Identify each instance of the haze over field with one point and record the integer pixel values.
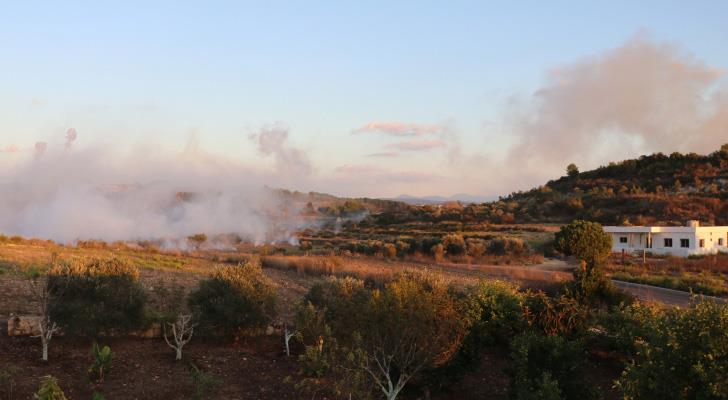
(104, 125)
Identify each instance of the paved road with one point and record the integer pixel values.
(658, 294)
(642, 292)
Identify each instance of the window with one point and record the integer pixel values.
(685, 243)
(623, 239)
(668, 242)
(702, 243)
(720, 242)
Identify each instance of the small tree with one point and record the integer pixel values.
(585, 240)
(572, 170)
(234, 298)
(182, 330)
(41, 292)
(412, 325)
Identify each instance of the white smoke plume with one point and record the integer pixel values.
(638, 98)
(71, 136)
(272, 140)
(40, 149)
(109, 194)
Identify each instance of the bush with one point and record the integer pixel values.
(454, 244)
(342, 300)
(507, 246)
(390, 250)
(102, 357)
(494, 314)
(684, 357)
(234, 298)
(548, 366)
(49, 390)
(205, 383)
(563, 315)
(476, 247)
(90, 297)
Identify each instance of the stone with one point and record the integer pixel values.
(24, 325)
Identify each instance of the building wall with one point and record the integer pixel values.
(637, 237)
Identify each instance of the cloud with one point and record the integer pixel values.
(384, 154)
(272, 140)
(358, 169)
(640, 97)
(416, 145)
(398, 129)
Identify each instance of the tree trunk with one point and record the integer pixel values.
(45, 350)
(179, 354)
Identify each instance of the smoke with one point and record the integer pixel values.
(110, 194)
(40, 149)
(272, 141)
(640, 97)
(71, 136)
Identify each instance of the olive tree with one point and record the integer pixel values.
(234, 298)
(41, 292)
(392, 335)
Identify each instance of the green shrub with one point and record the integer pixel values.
(563, 315)
(102, 357)
(685, 356)
(49, 390)
(7, 381)
(90, 297)
(549, 366)
(234, 298)
(494, 315)
(342, 300)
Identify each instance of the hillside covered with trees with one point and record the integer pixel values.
(653, 189)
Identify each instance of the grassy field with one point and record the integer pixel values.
(704, 275)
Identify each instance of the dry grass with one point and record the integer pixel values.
(328, 265)
(705, 275)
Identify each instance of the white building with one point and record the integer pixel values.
(674, 240)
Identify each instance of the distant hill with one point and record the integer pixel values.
(653, 189)
(461, 197)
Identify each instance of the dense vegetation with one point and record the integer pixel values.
(657, 188)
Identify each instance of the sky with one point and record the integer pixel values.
(367, 98)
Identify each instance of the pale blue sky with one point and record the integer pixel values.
(155, 72)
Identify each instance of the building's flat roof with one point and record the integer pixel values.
(660, 229)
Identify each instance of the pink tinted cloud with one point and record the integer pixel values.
(416, 145)
(385, 154)
(394, 128)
